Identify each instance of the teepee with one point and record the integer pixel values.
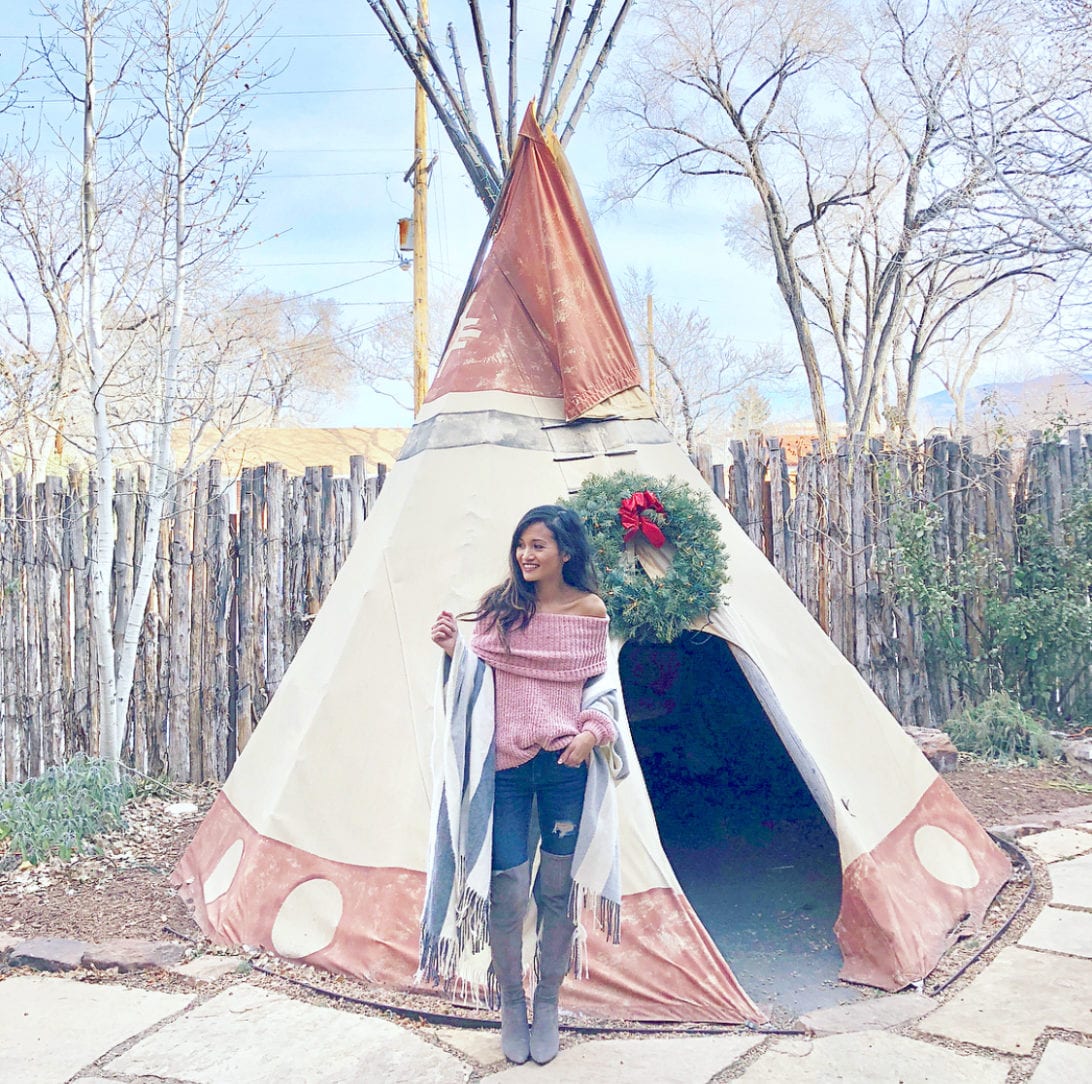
(315, 849)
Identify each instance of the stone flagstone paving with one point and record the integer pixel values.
(1072, 882)
(1021, 992)
(1058, 844)
(1063, 1063)
(877, 1057)
(1056, 930)
(481, 1045)
(251, 1036)
(636, 1061)
(50, 1028)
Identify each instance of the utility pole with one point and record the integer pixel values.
(420, 230)
(651, 350)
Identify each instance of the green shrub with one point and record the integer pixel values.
(998, 728)
(1042, 630)
(1021, 623)
(61, 811)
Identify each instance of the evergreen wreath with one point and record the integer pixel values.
(640, 607)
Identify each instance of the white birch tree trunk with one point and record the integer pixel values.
(111, 733)
(192, 95)
(192, 72)
(161, 451)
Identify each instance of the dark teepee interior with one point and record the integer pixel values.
(744, 835)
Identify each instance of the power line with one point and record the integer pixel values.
(321, 176)
(252, 94)
(341, 285)
(336, 90)
(322, 263)
(407, 149)
(257, 37)
(318, 37)
(391, 265)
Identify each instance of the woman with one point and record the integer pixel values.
(543, 632)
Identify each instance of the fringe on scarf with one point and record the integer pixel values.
(440, 954)
(608, 913)
(437, 959)
(578, 958)
(608, 918)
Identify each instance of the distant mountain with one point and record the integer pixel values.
(1059, 399)
(998, 411)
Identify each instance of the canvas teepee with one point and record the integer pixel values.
(316, 846)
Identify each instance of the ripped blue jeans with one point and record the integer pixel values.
(559, 793)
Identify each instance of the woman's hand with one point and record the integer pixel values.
(444, 632)
(578, 750)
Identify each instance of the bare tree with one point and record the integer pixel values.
(699, 99)
(40, 259)
(1037, 149)
(86, 25)
(262, 357)
(251, 359)
(248, 358)
(699, 372)
(381, 351)
(384, 352)
(873, 219)
(28, 393)
(962, 368)
(565, 65)
(164, 142)
(304, 350)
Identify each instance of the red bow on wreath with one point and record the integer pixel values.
(631, 513)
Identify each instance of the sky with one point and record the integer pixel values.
(336, 130)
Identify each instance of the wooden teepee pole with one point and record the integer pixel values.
(591, 25)
(451, 100)
(593, 76)
(482, 43)
(513, 63)
(559, 26)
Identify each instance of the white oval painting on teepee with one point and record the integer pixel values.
(308, 919)
(223, 873)
(945, 857)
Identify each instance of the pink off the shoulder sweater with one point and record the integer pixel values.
(539, 680)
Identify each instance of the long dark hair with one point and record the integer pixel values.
(511, 604)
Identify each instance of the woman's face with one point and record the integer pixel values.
(537, 555)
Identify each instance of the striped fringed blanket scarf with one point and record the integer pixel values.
(455, 920)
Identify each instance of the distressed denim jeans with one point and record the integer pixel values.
(559, 793)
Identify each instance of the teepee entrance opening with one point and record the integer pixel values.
(747, 841)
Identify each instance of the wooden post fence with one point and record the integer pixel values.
(244, 564)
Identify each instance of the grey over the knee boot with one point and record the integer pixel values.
(555, 939)
(507, 909)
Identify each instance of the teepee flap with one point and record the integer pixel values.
(541, 317)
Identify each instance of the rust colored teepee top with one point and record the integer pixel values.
(541, 317)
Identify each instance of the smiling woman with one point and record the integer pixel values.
(541, 743)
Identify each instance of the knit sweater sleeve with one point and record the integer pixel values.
(598, 725)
